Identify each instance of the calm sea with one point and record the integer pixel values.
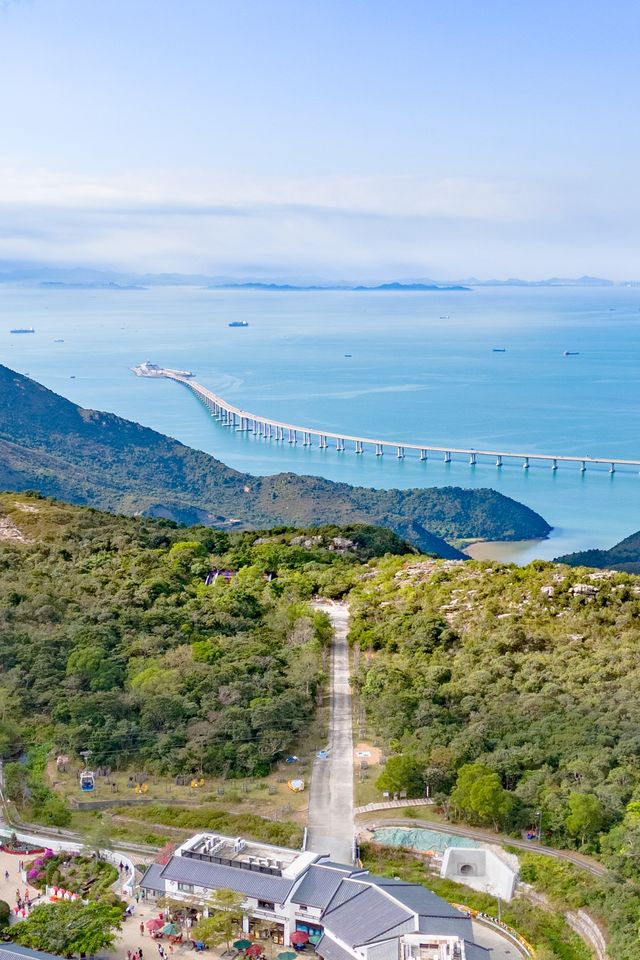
(421, 368)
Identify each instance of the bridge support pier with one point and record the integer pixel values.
(340, 445)
(554, 465)
(499, 462)
(358, 447)
(472, 459)
(379, 450)
(447, 457)
(612, 468)
(306, 439)
(323, 442)
(423, 454)
(525, 465)
(583, 467)
(400, 453)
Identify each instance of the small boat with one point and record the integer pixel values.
(446, 318)
(571, 353)
(239, 323)
(348, 354)
(22, 330)
(499, 350)
(58, 341)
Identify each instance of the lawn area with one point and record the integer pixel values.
(144, 807)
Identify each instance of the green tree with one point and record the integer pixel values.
(225, 908)
(402, 772)
(585, 817)
(479, 795)
(97, 837)
(68, 928)
(15, 781)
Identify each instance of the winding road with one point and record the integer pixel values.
(330, 824)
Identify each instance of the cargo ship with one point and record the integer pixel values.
(239, 323)
(22, 330)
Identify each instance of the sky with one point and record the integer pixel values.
(344, 139)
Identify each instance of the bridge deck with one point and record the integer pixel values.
(223, 405)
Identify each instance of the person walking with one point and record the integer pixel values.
(141, 929)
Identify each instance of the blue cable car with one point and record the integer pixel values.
(87, 781)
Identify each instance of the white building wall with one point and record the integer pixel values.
(480, 869)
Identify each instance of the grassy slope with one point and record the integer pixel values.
(101, 460)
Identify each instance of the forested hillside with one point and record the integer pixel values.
(622, 556)
(87, 457)
(509, 692)
(112, 641)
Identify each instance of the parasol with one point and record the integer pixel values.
(241, 944)
(299, 937)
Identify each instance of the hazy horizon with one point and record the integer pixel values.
(332, 140)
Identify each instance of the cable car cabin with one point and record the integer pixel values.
(87, 780)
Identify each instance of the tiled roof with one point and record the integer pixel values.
(459, 926)
(318, 886)
(346, 891)
(366, 916)
(14, 952)
(416, 897)
(217, 876)
(152, 879)
(345, 867)
(330, 950)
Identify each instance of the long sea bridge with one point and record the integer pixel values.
(280, 431)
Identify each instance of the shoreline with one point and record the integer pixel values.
(509, 551)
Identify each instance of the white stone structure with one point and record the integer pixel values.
(481, 868)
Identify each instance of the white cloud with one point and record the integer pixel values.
(337, 225)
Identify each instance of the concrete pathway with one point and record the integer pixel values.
(393, 805)
(330, 827)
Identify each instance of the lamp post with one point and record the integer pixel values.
(539, 826)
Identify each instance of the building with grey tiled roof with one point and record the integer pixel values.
(347, 913)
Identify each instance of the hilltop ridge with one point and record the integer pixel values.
(89, 457)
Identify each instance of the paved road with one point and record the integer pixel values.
(501, 947)
(331, 794)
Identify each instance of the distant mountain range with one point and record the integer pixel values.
(86, 277)
(86, 457)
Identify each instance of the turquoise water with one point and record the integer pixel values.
(422, 369)
(419, 839)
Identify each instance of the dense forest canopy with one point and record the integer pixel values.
(513, 693)
(112, 640)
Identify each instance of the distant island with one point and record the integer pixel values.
(45, 275)
(87, 457)
(359, 287)
(110, 285)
